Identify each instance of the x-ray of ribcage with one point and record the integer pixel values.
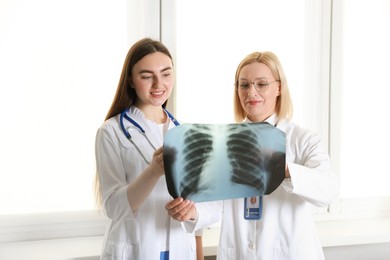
(205, 162)
(198, 144)
(244, 154)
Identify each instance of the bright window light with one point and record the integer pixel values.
(60, 64)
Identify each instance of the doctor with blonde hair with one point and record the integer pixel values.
(283, 228)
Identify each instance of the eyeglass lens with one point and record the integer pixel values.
(261, 85)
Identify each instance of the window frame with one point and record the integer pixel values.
(342, 208)
(58, 225)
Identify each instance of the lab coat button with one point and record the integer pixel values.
(251, 246)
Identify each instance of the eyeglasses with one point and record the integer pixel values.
(261, 85)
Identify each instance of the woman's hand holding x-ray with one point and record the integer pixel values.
(157, 164)
(181, 209)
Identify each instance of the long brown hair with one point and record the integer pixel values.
(125, 95)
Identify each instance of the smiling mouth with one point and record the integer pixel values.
(252, 102)
(157, 93)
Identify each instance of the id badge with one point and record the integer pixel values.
(253, 207)
(164, 255)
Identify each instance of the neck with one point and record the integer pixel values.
(255, 119)
(154, 113)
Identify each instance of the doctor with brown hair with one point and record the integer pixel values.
(130, 179)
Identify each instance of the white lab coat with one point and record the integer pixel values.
(286, 230)
(144, 234)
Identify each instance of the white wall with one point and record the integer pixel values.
(89, 249)
(358, 252)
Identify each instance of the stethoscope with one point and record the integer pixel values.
(142, 131)
(127, 134)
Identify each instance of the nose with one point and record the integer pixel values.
(157, 81)
(252, 91)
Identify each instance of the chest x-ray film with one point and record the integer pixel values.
(206, 162)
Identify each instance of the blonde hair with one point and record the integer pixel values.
(283, 109)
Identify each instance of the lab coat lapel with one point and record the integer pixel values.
(141, 143)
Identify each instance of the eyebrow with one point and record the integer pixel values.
(255, 78)
(149, 71)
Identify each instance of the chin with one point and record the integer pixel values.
(158, 102)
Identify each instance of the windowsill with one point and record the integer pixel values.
(51, 226)
(332, 233)
(56, 249)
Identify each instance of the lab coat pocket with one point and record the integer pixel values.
(122, 241)
(120, 251)
(226, 253)
(293, 253)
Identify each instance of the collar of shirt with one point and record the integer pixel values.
(271, 120)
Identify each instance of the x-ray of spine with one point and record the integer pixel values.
(205, 162)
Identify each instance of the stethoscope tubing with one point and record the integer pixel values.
(124, 115)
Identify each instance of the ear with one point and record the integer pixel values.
(279, 89)
(131, 85)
